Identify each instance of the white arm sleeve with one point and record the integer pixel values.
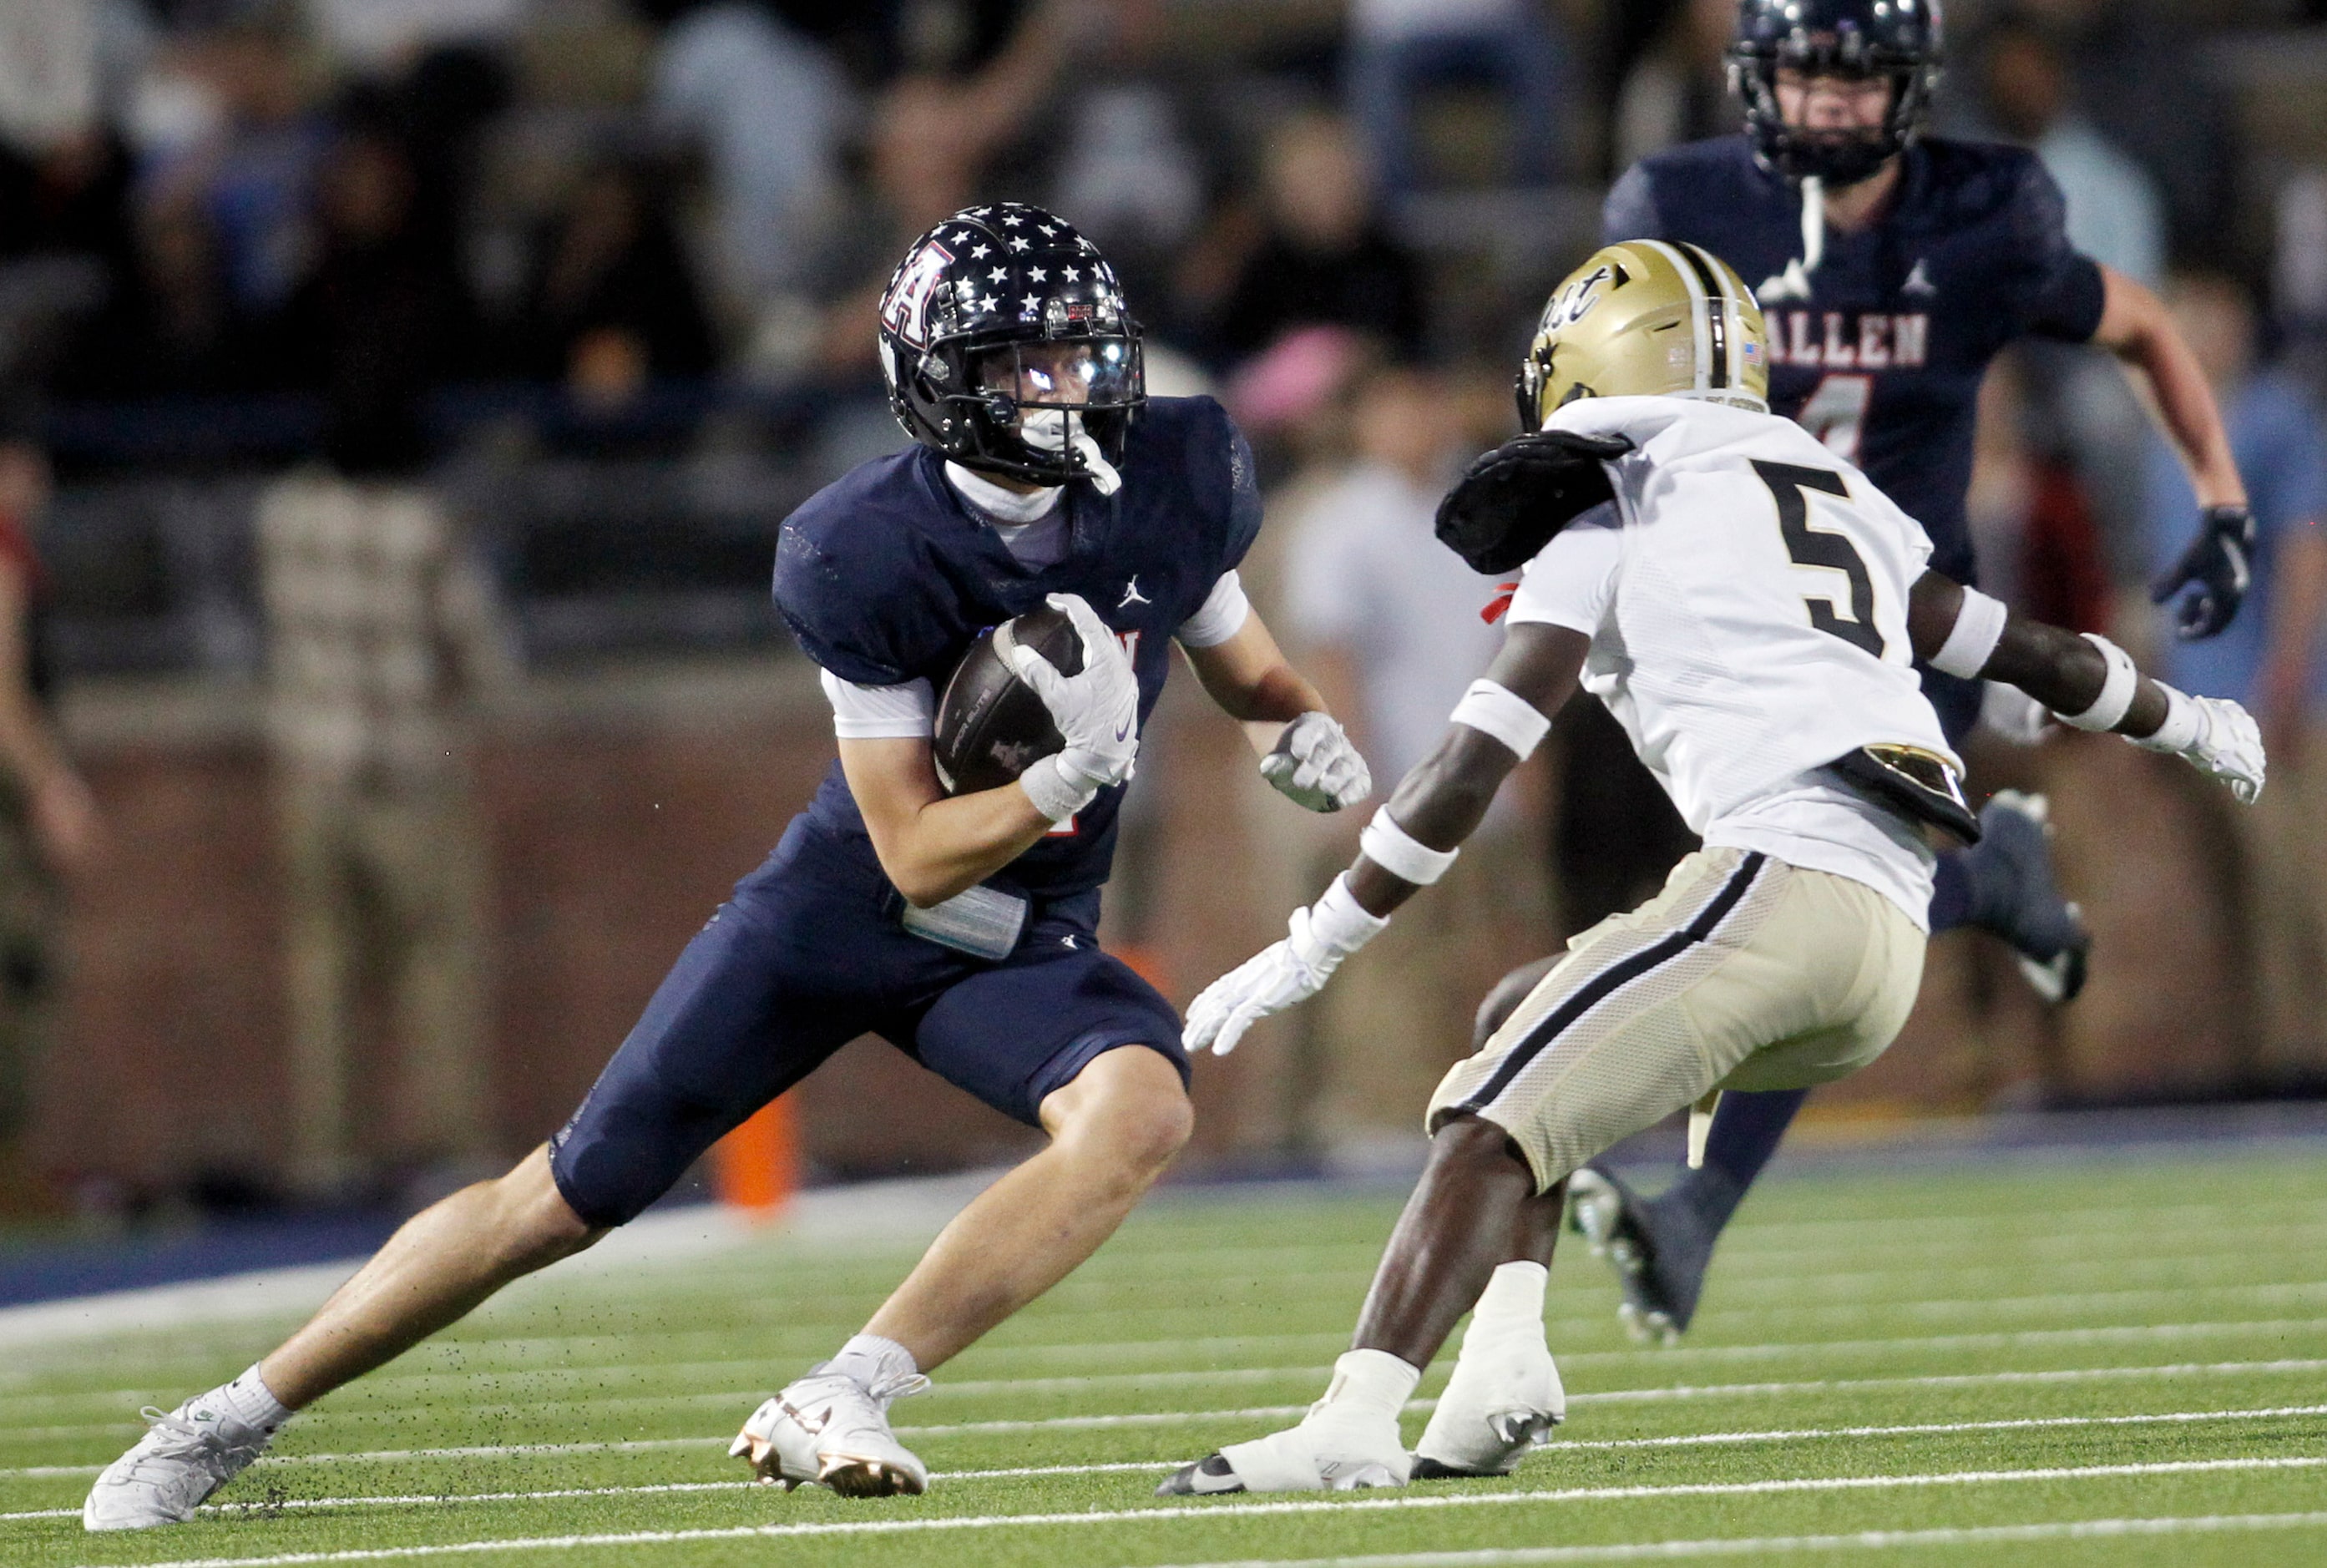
(1220, 617)
(1572, 580)
(892, 713)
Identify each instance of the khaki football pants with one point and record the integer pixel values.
(1744, 973)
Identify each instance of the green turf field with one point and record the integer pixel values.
(2064, 1363)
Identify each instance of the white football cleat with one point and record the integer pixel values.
(833, 1431)
(1504, 1399)
(1335, 1448)
(184, 1456)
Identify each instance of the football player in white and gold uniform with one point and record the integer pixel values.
(1749, 608)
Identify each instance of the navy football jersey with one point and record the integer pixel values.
(886, 575)
(1879, 350)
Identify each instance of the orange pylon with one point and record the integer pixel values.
(756, 1166)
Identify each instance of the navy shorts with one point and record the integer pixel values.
(807, 955)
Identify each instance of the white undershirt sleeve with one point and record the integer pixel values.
(1572, 580)
(1220, 617)
(890, 713)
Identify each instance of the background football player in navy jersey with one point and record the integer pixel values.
(1891, 269)
(962, 929)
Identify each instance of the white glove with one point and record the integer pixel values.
(1097, 709)
(2214, 735)
(1293, 970)
(1314, 766)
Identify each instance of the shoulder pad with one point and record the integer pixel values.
(847, 564)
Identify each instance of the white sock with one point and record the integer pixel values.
(869, 1360)
(1372, 1382)
(1514, 1294)
(248, 1400)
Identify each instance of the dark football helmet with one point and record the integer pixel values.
(1007, 346)
(1896, 38)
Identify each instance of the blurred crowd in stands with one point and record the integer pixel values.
(368, 201)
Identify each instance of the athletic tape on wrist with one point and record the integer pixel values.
(2185, 722)
(1978, 628)
(1047, 785)
(1496, 710)
(1400, 854)
(2109, 709)
(1340, 921)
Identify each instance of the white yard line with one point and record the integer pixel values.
(363, 1408)
(1243, 1509)
(465, 1380)
(1693, 1440)
(1165, 1418)
(1758, 1546)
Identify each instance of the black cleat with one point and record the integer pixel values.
(1210, 1477)
(1658, 1249)
(2017, 898)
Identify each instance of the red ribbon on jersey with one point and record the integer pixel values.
(1500, 604)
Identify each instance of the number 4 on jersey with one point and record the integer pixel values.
(1835, 413)
(1823, 547)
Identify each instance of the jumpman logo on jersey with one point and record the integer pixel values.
(1132, 595)
(1918, 282)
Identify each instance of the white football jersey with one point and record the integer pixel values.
(1746, 599)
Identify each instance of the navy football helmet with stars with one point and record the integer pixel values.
(1007, 347)
(1896, 38)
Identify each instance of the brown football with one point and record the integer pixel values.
(991, 725)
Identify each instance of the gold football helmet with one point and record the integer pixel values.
(1645, 318)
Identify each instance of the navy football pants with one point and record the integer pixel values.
(807, 955)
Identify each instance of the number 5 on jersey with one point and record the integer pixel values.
(1827, 548)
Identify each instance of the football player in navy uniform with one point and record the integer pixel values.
(1892, 268)
(960, 928)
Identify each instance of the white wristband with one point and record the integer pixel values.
(2109, 709)
(1496, 710)
(1399, 853)
(1978, 628)
(1340, 922)
(2186, 723)
(1056, 792)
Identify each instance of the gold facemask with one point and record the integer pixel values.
(1642, 319)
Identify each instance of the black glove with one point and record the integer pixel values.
(1512, 501)
(2216, 565)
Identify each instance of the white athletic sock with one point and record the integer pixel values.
(1514, 1294)
(248, 1400)
(869, 1360)
(1371, 1382)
